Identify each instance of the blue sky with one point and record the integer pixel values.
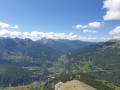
(61, 16)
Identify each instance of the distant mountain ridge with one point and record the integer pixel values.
(64, 45)
(26, 51)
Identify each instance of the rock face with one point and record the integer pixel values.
(58, 85)
(73, 85)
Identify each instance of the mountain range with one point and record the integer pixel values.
(28, 54)
(49, 61)
(64, 45)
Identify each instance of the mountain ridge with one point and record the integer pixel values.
(64, 45)
(100, 59)
(30, 55)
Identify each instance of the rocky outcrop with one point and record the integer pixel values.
(73, 85)
(58, 85)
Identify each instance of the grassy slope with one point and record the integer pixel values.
(101, 59)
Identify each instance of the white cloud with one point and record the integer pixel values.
(35, 35)
(116, 37)
(80, 26)
(90, 25)
(16, 26)
(115, 31)
(4, 25)
(89, 31)
(95, 25)
(113, 9)
(13, 34)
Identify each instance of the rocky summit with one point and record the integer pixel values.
(73, 85)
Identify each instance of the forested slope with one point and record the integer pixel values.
(101, 59)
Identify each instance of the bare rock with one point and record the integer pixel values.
(73, 85)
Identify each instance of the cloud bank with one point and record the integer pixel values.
(35, 35)
(5, 25)
(113, 9)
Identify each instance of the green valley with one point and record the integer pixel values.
(31, 65)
